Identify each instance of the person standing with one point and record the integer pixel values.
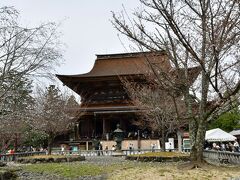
(62, 150)
(236, 146)
(100, 148)
(223, 147)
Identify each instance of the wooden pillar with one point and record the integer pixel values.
(179, 135)
(104, 127)
(94, 125)
(87, 145)
(121, 123)
(139, 140)
(77, 131)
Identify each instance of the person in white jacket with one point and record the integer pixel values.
(236, 146)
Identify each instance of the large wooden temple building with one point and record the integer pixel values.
(104, 100)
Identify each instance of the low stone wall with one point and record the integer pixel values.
(222, 156)
(50, 159)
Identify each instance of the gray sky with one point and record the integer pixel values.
(87, 29)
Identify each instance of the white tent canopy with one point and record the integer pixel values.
(217, 134)
(235, 132)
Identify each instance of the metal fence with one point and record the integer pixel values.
(124, 152)
(12, 157)
(127, 152)
(222, 156)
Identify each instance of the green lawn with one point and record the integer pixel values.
(70, 170)
(75, 169)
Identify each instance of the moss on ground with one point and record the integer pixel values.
(75, 169)
(162, 154)
(159, 157)
(69, 170)
(43, 156)
(49, 159)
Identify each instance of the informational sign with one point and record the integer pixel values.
(167, 145)
(170, 144)
(74, 148)
(171, 141)
(186, 144)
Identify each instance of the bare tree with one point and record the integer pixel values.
(25, 51)
(200, 33)
(160, 112)
(24, 54)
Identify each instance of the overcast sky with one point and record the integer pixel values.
(86, 31)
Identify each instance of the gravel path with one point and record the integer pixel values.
(39, 176)
(97, 160)
(104, 160)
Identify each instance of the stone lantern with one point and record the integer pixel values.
(118, 137)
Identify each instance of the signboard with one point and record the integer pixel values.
(170, 144)
(186, 144)
(74, 148)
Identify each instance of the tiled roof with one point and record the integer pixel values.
(114, 65)
(123, 64)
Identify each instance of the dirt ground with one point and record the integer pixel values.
(170, 171)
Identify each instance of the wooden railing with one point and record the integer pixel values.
(222, 156)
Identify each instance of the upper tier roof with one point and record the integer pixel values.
(123, 64)
(110, 66)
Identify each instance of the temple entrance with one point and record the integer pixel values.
(102, 125)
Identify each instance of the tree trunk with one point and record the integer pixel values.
(192, 134)
(5, 145)
(199, 129)
(50, 142)
(198, 140)
(3, 149)
(16, 142)
(163, 140)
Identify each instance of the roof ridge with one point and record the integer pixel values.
(124, 55)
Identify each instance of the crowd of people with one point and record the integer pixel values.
(223, 146)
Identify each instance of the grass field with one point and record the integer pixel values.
(67, 170)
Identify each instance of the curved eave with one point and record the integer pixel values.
(76, 82)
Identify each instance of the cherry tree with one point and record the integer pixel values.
(198, 33)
